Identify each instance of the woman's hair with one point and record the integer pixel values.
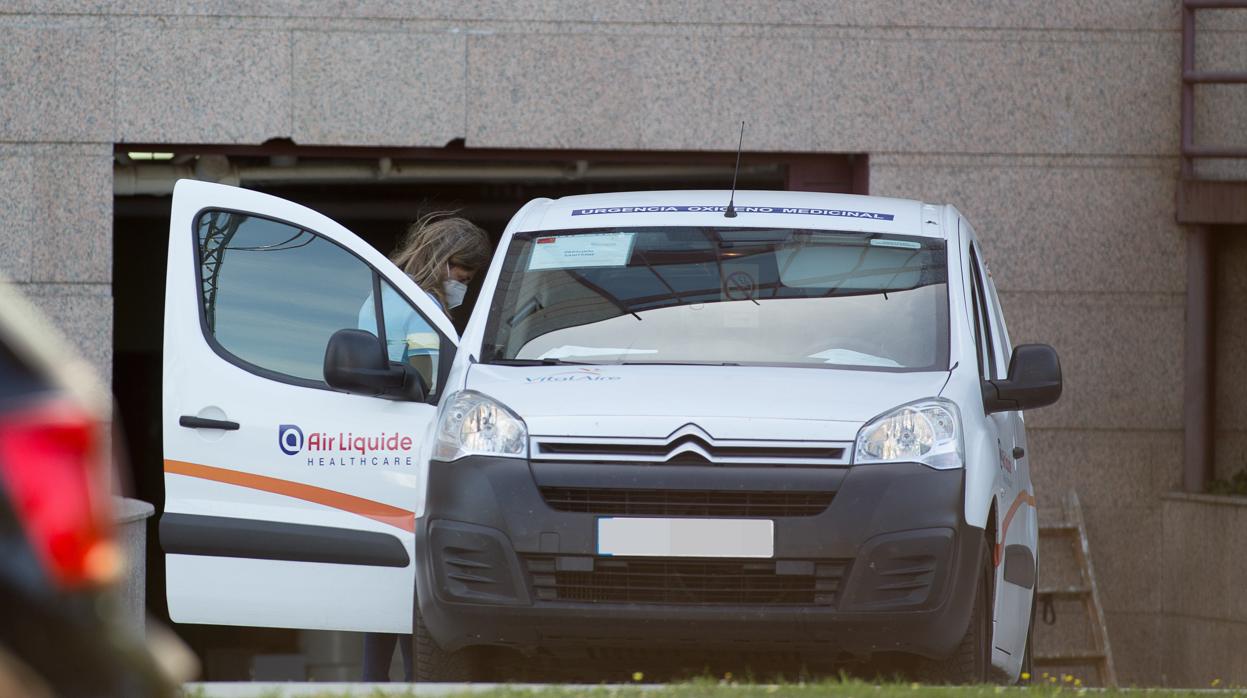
(435, 240)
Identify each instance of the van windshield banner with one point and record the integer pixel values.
(839, 213)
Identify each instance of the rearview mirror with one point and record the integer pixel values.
(356, 362)
(1034, 381)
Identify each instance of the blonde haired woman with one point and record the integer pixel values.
(442, 253)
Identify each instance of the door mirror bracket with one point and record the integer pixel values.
(1034, 381)
(355, 362)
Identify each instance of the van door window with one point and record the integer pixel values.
(409, 338)
(1000, 332)
(272, 294)
(998, 341)
(982, 320)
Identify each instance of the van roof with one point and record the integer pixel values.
(788, 209)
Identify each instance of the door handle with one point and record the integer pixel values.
(190, 422)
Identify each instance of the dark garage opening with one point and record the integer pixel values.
(375, 193)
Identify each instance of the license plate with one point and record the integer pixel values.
(631, 536)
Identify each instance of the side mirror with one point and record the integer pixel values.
(1034, 381)
(356, 362)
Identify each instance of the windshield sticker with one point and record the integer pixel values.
(581, 251)
(837, 213)
(739, 286)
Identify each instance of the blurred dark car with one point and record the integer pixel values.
(60, 633)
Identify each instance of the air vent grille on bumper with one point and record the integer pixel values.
(653, 502)
(668, 581)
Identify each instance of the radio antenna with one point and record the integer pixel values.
(731, 209)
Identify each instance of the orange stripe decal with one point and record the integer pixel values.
(377, 511)
(1023, 497)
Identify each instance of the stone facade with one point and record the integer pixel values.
(1204, 625)
(1053, 125)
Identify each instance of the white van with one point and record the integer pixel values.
(797, 428)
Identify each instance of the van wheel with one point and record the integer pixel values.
(433, 664)
(971, 662)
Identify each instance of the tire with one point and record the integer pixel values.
(971, 661)
(433, 664)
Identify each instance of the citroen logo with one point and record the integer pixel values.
(689, 441)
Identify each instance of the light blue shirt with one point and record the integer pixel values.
(401, 320)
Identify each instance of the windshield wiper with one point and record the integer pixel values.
(539, 362)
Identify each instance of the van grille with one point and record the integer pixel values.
(660, 451)
(679, 581)
(690, 444)
(649, 502)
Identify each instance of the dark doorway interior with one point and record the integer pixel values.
(375, 193)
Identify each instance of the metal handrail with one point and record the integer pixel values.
(1192, 77)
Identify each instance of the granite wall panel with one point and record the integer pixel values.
(1205, 612)
(1121, 357)
(582, 91)
(1221, 110)
(1221, 114)
(56, 210)
(17, 220)
(1205, 556)
(1220, 40)
(1057, 224)
(83, 313)
(1121, 467)
(840, 94)
(1138, 643)
(1201, 651)
(1219, 21)
(411, 92)
(1126, 567)
(203, 85)
(73, 197)
(55, 82)
(1133, 15)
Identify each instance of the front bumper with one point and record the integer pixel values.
(887, 566)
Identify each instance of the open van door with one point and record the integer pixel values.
(289, 503)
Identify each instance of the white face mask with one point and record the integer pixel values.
(454, 291)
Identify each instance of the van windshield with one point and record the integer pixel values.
(740, 296)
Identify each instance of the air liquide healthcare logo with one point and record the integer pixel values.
(322, 448)
(289, 439)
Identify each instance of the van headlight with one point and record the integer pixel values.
(475, 424)
(927, 431)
